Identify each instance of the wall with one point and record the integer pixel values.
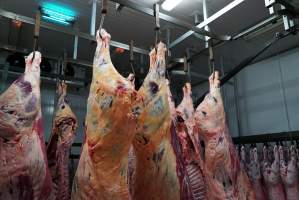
(268, 95)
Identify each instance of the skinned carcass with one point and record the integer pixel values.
(110, 128)
(60, 144)
(224, 176)
(255, 175)
(23, 163)
(156, 175)
(271, 175)
(194, 177)
(289, 173)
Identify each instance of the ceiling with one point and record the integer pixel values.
(131, 25)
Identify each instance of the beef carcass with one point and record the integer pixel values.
(23, 163)
(190, 146)
(255, 175)
(60, 143)
(223, 174)
(243, 158)
(156, 175)
(289, 173)
(271, 175)
(110, 128)
(185, 185)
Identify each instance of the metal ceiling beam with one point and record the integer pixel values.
(259, 25)
(140, 8)
(51, 77)
(207, 22)
(194, 74)
(93, 18)
(205, 17)
(27, 51)
(66, 30)
(252, 29)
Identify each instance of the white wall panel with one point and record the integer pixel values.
(261, 102)
(289, 63)
(230, 109)
(268, 94)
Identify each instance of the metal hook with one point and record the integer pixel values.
(33, 56)
(104, 11)
(132, 56)
(36, 32)
(157, 21)
(211, 58)
(64, 65)
(35, 46)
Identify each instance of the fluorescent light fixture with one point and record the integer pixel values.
(220, 13)
(57, 20)
(207, 21)
(168, 5)
(58, 14)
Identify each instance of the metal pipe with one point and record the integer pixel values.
(75, 47)
(168, 35)
(157, 22)
(263, 23)
(93, 18)
(205, 17)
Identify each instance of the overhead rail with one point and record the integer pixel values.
(279, 9)
(78, 82)
(267, 138)
(27, 51)
(65, 30)
(140, 8)
(273, 19)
